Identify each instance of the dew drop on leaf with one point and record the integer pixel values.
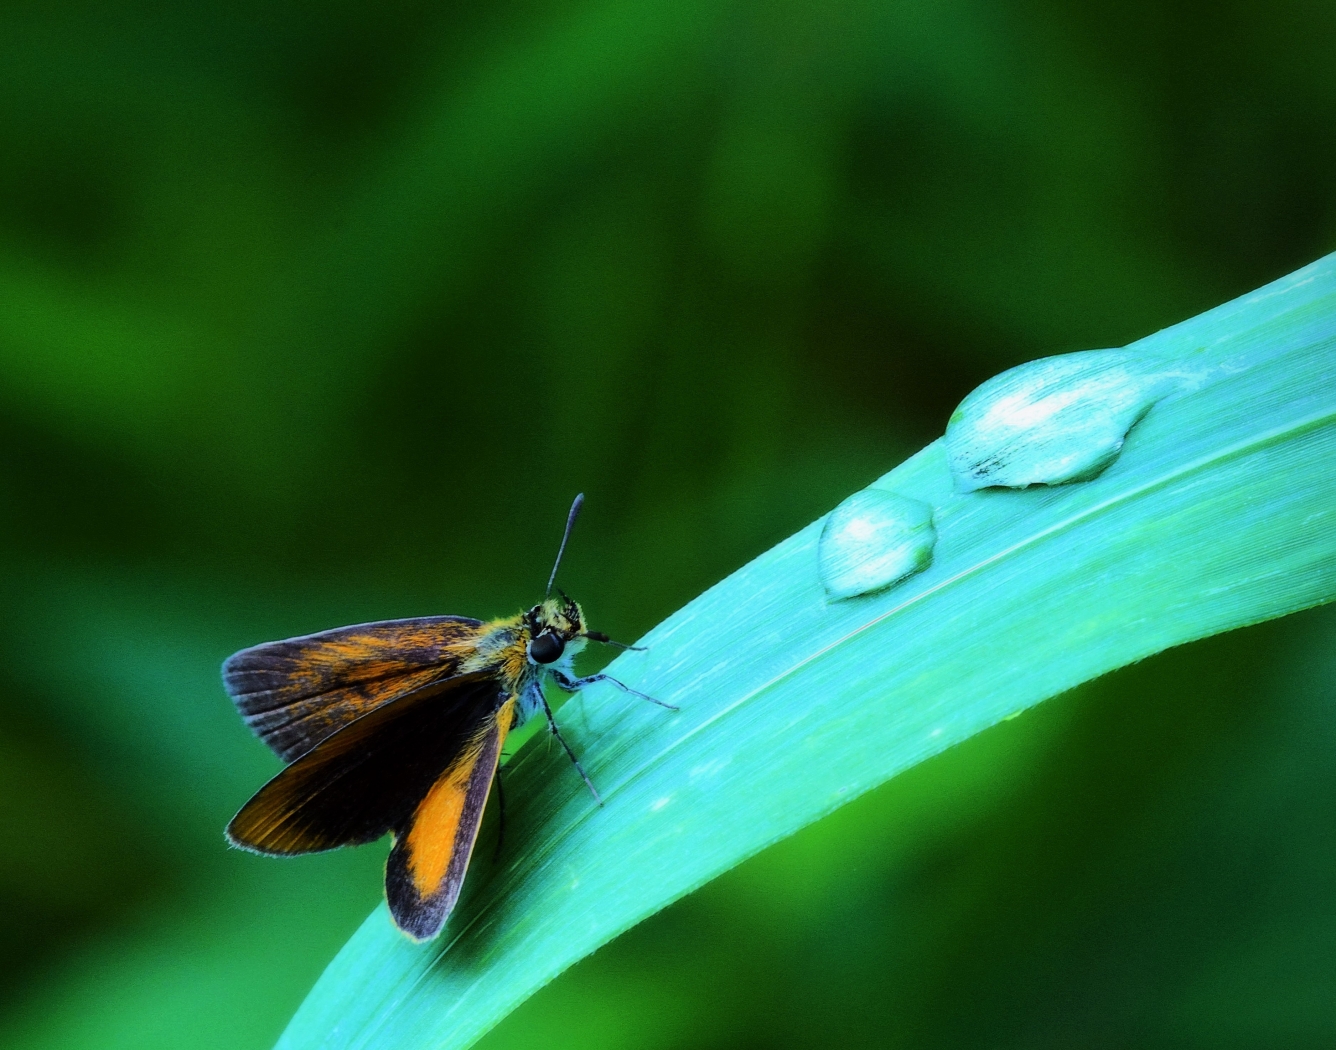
(872, 540)
(1054, 420)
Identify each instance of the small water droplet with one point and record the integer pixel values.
(872, 540)
(1054, 420)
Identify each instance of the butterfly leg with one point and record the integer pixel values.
(552, 725)
(500, 815)
(599, 636)
(572, 685)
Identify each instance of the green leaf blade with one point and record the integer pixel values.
(1219, 512)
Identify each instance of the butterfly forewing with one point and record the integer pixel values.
(297, 692)
(370, 776)
(426, 867)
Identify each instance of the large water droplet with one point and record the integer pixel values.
(1054, 420)
(873, 539)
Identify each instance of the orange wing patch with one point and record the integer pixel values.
(426, 867)
(431, 838)
(297, 692)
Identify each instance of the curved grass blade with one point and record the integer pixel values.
(1219, 512)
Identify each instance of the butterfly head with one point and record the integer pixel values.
(556, 629)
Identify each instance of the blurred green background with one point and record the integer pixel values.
(320, 313)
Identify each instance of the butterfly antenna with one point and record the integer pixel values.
(570, 523)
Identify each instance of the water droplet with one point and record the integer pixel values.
(1054, 420)
(872, 540)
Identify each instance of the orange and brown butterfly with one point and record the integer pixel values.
(397, 727)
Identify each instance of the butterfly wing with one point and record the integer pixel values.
(297, 692)
(425, 869)
(370, 776)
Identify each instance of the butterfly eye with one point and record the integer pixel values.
(546, 648)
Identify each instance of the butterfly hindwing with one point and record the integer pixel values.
(426, 867)
(370, 776)
(297, 692)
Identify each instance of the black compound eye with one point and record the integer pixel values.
(546, 648)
